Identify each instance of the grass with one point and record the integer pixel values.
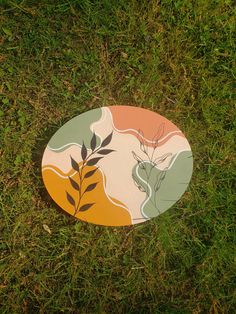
(62, 58)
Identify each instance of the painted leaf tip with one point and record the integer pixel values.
(86, 207)
(74, 164)
(91, 187)
(70, 199)
(107, 140)
(93, 142)
(105, 151)
(90, 173)
(93, 161)
(74, 184)
(84, 152)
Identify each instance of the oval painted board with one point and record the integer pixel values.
(117, 165)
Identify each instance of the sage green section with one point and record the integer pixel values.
(176, 181)
(172, 187)
(77, 130)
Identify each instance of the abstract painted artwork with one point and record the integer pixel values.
(117, 165)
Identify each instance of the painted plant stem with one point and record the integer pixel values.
(87, 161)
(144, 164)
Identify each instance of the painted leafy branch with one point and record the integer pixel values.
(149, 152)
(88, 160)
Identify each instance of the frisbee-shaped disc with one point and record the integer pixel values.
(117, 165)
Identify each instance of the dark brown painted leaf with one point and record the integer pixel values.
(105, 151)
(70, 199)
(93, 161)
(74, 164)
(83, 152)
(85, 207)
(93, 142)
(90, 187)
(74, 184)
(90, 173)
(107, 140)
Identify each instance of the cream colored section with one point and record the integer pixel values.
(62, 160)
(118, 167)
(96, 123)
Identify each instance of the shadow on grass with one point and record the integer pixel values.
(37, 160)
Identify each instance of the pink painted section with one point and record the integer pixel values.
(130, 120)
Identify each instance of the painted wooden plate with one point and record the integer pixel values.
(117, 165)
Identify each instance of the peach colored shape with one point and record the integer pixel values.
(130, 119)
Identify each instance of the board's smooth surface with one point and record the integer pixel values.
(117, 165)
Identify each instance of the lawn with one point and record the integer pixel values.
(61, 58)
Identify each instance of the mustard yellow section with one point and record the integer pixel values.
(105, 211)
